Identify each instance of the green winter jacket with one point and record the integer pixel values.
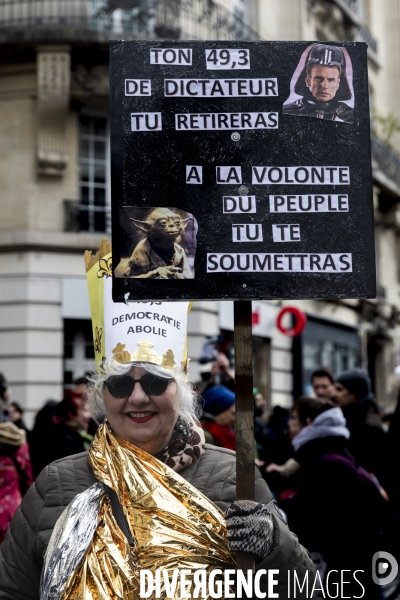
(213, 474)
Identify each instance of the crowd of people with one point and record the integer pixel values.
(328, 461)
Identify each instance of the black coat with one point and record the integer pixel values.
(367, 442)
(335, 515)
(59, 440)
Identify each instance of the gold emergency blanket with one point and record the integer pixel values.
(173, 525)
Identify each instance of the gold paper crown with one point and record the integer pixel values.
(91, 259)
(144, 354)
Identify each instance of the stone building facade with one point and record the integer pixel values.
(55, 186)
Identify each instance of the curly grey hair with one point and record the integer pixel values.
(185, 398)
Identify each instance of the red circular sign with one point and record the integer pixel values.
(300, 317)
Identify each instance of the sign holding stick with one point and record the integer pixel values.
(245, 480)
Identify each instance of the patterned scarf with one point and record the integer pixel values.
(185, 446)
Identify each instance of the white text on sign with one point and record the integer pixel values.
(210, 121)
(137, 87)
(227, 58)
(309, 203)
(239, 204)
(170, 56)
(220, 88)
(286, 233)
(274, 263)
(247, 232)
(146, 121)
(301, 175)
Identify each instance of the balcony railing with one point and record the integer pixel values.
(95, 15)
(83, 217)
(387, 159)
(201, 20)
(164, 19)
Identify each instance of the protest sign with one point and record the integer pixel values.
(241, 170)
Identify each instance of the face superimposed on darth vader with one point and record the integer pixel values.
(323, 82)
(321, 87)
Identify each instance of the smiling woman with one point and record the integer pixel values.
(149, 493)
(142, 403)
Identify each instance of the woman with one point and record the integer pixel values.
(342, 502)
(149, 459)
(61, 429)
(68, 433)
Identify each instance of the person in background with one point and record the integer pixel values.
(15, 413)
(4, 397)
(69, 431)
(38, 437)
(219, 373)
(367, 436)
(219, 417)
(81, 385)
(323, 383)
(81, 388)
(271, 434)
(337, 509)
(291, 466)
(15, 472)
(61, 429)
(261, 409)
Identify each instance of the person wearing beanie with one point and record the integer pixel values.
(219, 417)
(367, 442)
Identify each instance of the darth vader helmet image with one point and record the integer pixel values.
(322, 81)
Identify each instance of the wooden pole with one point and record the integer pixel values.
(245, 475)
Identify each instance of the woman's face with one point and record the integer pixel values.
(343, 396)
(143, 420)
(227, 417)
(294, 424)
(83, 416)
(13, 413)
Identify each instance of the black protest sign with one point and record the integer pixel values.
(241, 170)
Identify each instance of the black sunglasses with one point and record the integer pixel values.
(121, 386)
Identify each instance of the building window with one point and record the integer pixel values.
(324, 344)
(94, 196)
(78, 350)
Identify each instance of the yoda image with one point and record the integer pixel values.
(158, 256)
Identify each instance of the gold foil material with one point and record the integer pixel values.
(174, 526)
(109, 568)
